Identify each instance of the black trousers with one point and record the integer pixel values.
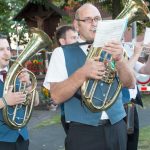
(64, 124)
(132, 142)
(20, 144)
(102, 137)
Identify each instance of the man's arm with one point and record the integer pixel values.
(125, 73)
(145, 69)
(62, 91)
(137, 52)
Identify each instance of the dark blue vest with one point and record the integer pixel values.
(125, 95)
(74, 109)
(6, 133)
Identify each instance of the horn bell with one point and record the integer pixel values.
(39, 40)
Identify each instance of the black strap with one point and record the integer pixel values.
(78, 96)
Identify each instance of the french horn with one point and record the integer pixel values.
(134, 10)
(39, 40)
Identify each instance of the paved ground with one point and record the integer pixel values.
(144, 116)
(51, 137)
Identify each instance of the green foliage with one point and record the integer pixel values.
(43, 98)
(42, 2)
(67, 19)
(9, 8)
(48, 122)
(58, 3)
(146, 100)
(144, 139)
(107, 5)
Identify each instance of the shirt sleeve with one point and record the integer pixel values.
(138, 66)
(57, 71)
(133, 92)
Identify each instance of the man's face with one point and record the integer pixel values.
(71, 37)
(5, 54)
(87, 22)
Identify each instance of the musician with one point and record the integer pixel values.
(139, 67)
(132, 143)
(11, 139)
(145, 69)
(65, 34)
(68, 70)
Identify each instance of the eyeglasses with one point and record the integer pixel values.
(90, 20)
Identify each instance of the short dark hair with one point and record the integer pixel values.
(61, 32)
(4, 36)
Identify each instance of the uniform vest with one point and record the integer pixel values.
(74, 108)
(6, 133)
(125, 95)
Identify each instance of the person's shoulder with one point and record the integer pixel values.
(57, 50)
(70, 45)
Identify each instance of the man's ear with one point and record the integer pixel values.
(75, 24)
(62, 41)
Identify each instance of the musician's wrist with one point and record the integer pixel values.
(119, 59)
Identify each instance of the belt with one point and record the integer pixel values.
(104, 122)
(101, 122)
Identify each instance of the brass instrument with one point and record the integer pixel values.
(134, 10)
(39, 41)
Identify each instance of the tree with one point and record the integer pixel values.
(8, 9)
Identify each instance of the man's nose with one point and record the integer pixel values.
(94, 22)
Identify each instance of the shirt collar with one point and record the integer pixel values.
(80, 40)
(6, 69)
(83, 47)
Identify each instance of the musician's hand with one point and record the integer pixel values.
(114, 48)
(24, 77)
(94, 69)
(13, 98)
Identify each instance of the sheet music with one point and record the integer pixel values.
(108, 30)
(129, 48)
(146, 43)
(147, 36)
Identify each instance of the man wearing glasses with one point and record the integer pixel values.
(87, 130)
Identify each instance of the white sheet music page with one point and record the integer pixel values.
(146, 43)
(129, 48)
(108, 30)
(147, 36)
